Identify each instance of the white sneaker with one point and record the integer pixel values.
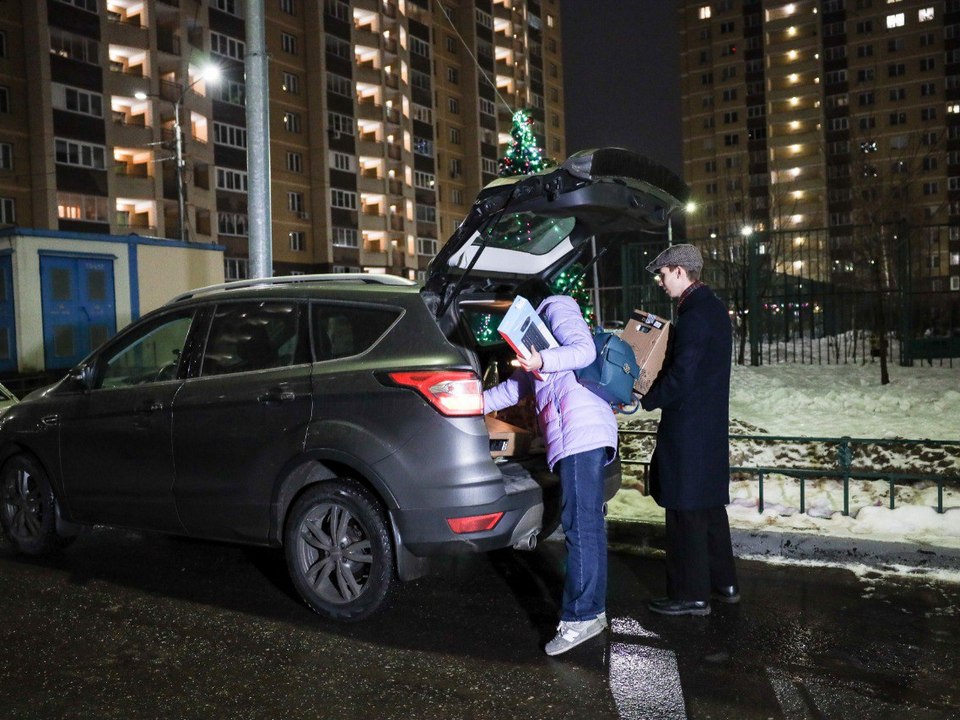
(572, 633)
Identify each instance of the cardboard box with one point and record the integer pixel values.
(648, 335)
(507, 440)
(521, 327)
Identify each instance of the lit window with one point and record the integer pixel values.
(895, 21)
(953, 109)
(925, 14)
(705, 12)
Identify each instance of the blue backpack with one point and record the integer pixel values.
(613, 374)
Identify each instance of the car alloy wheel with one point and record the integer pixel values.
(339, 550)
(28, 507)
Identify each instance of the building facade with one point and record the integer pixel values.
(825, 114)
(386, 118)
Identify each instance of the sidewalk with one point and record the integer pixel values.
(775, 543)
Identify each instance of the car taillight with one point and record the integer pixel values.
(449, 391)
(474, 523)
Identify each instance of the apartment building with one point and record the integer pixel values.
(823, 114)
(386, 119)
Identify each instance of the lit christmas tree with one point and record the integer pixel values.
(574, 275)
(523, 157)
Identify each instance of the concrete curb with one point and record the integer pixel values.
(803, 546)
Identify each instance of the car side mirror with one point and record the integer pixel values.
(80, 377)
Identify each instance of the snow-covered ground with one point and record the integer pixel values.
(921, 402)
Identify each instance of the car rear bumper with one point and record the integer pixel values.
(426, 531)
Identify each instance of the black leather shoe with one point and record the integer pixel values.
(729, 594)
(666, 606)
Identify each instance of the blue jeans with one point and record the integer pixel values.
(585, 587)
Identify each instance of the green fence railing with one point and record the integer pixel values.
(835, 457)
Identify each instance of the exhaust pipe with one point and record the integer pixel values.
(527, 543)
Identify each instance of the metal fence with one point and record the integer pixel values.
(815, 297)
(812, 458)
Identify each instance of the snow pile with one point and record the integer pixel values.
(829, 401)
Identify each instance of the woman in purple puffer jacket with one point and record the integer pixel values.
(580, 432)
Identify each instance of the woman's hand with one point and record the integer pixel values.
(532, 363)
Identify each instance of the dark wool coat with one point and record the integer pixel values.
(690, 468)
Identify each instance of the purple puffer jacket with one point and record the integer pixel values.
(572, 419)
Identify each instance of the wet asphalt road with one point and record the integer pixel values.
(128, 625)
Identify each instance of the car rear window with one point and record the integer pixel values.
(342, 330)
(529, 233)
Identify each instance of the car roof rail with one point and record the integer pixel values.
(358, 277)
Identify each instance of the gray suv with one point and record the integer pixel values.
(340, 417)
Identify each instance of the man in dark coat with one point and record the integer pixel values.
(690, 468)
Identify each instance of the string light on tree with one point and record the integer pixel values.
(523, 157)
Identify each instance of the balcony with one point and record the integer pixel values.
(370, 185)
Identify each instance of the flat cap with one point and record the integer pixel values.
(682, 255)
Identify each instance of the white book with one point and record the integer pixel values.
(521, 327)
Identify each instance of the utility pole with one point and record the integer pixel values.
(260, 242)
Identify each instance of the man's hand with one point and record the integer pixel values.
(534, 362)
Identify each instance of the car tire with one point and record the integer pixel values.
(351, 578)
(28, 507)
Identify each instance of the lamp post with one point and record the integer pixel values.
(211, 73)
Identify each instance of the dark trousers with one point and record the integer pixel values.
(699, 553)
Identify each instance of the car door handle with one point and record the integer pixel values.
(50, 420)
(277, 395)
(150, 406)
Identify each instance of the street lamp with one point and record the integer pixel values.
(210, 73)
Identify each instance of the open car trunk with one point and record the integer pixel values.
(539, 226)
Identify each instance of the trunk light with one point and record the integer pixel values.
(449, 391)
(474, 523)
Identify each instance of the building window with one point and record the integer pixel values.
(340, 123)
(231, 7)
(288, 43)
(74, 47)
(236, 269)
(424, 180)
(337, 47)
(730, 117)
(342, 161)
(419, 47)
(295, 162)
(456, 196)
(451, 44)
(896, 44)
(88, 5)
(420, 80)
(4, 99)
(896, 20)
(227, 46)
(291, 84)
(422, 146)
(456, 167)
(233, 180)
(88, 208)
(453, 75)
(75, 100)
(291, 121)
(704, 12)
(925, 14)
(727, 27)
(455, 136)
(8, 214)
(425, 114)
(232, 91)
(898, 94)
(453, 106)
(928, 113)
(288, 7)
(79, 154)
(339, 85)
(729, 94)
(865, 51)
(898, 118)
(337, 9)
(731, 139)
(345, 237)
(864, 26)
(343, 199)
(230, 135)
(867, 123)
(489, 166)
(866, 75)
(3, 43)
(232, 224)
(295, 202)
(297, 241)
(426, 214)
(426, 246)
(6, 156)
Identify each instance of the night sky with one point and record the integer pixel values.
(622, 76)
